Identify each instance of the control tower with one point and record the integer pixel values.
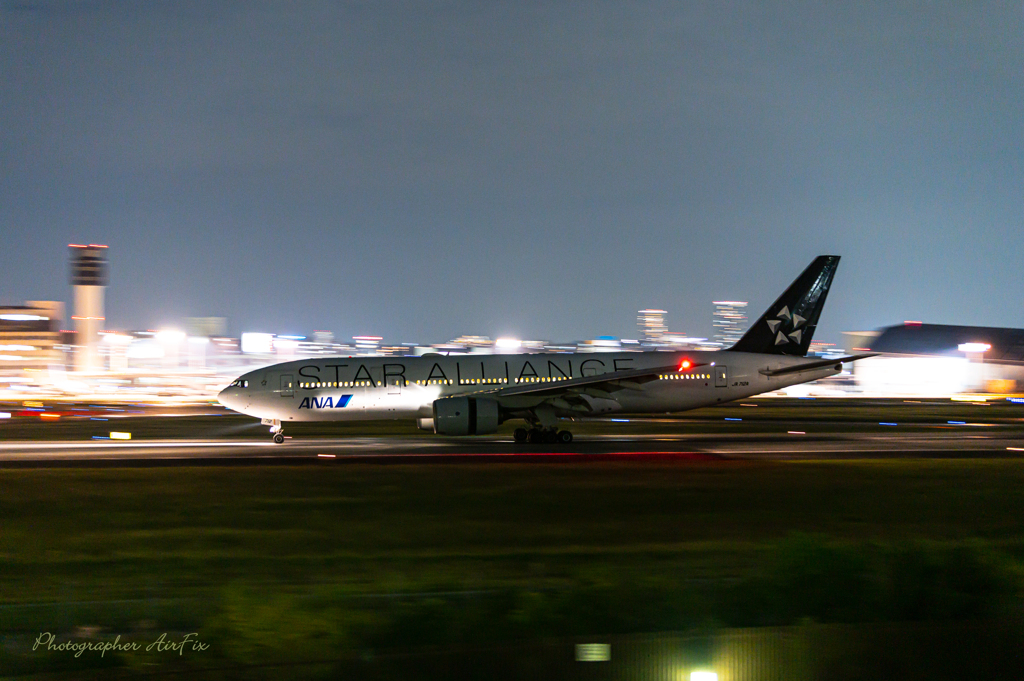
(89, 278)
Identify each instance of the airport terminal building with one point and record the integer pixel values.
(30, 335)
(939, 359)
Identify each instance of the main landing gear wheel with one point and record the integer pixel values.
(278, 437)
(542, 436)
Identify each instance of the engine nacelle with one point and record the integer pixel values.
(465, 416)
(425, 424)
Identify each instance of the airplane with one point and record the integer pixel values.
(475, 394)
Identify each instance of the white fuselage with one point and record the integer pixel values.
(362, 388)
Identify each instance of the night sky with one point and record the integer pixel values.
(540, 169)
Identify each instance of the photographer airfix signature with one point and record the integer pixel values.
(163, 644)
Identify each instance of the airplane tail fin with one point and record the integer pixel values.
(787, 326)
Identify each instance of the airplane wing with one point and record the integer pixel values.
(632, 379)
(811, 366)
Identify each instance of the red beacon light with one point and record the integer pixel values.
(685, 364)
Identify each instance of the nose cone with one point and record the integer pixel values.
(232, 398)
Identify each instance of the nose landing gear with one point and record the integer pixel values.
(276, 428)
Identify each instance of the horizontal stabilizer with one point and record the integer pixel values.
(811, 366)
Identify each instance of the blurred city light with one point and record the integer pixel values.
(282, 343)
(23, 318)
(257, 343)
(170, 336)
(116, 338)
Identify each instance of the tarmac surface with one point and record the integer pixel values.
(432, 449)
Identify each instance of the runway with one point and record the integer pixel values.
(428, 449)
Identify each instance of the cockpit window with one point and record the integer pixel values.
(239, 384)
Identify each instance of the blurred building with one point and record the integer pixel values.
(651, 325)
(206, 327)
(30, 335)
(940, 359)
(729, 321)
(324, 338)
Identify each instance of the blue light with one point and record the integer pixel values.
(100, 437)
(1018, 400)
(883, 423)
(621, 420)
(729, 419)
(96, 418)
(958, 423)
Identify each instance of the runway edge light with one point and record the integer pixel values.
(115, 435)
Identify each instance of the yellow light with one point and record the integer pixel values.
(114, 435)
(593, 652)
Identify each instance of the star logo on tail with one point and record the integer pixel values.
(785, 318)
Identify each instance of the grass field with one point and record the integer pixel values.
(175, 532)
(269, 563)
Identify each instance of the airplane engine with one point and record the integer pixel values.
(425, 424)
(465, 416)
